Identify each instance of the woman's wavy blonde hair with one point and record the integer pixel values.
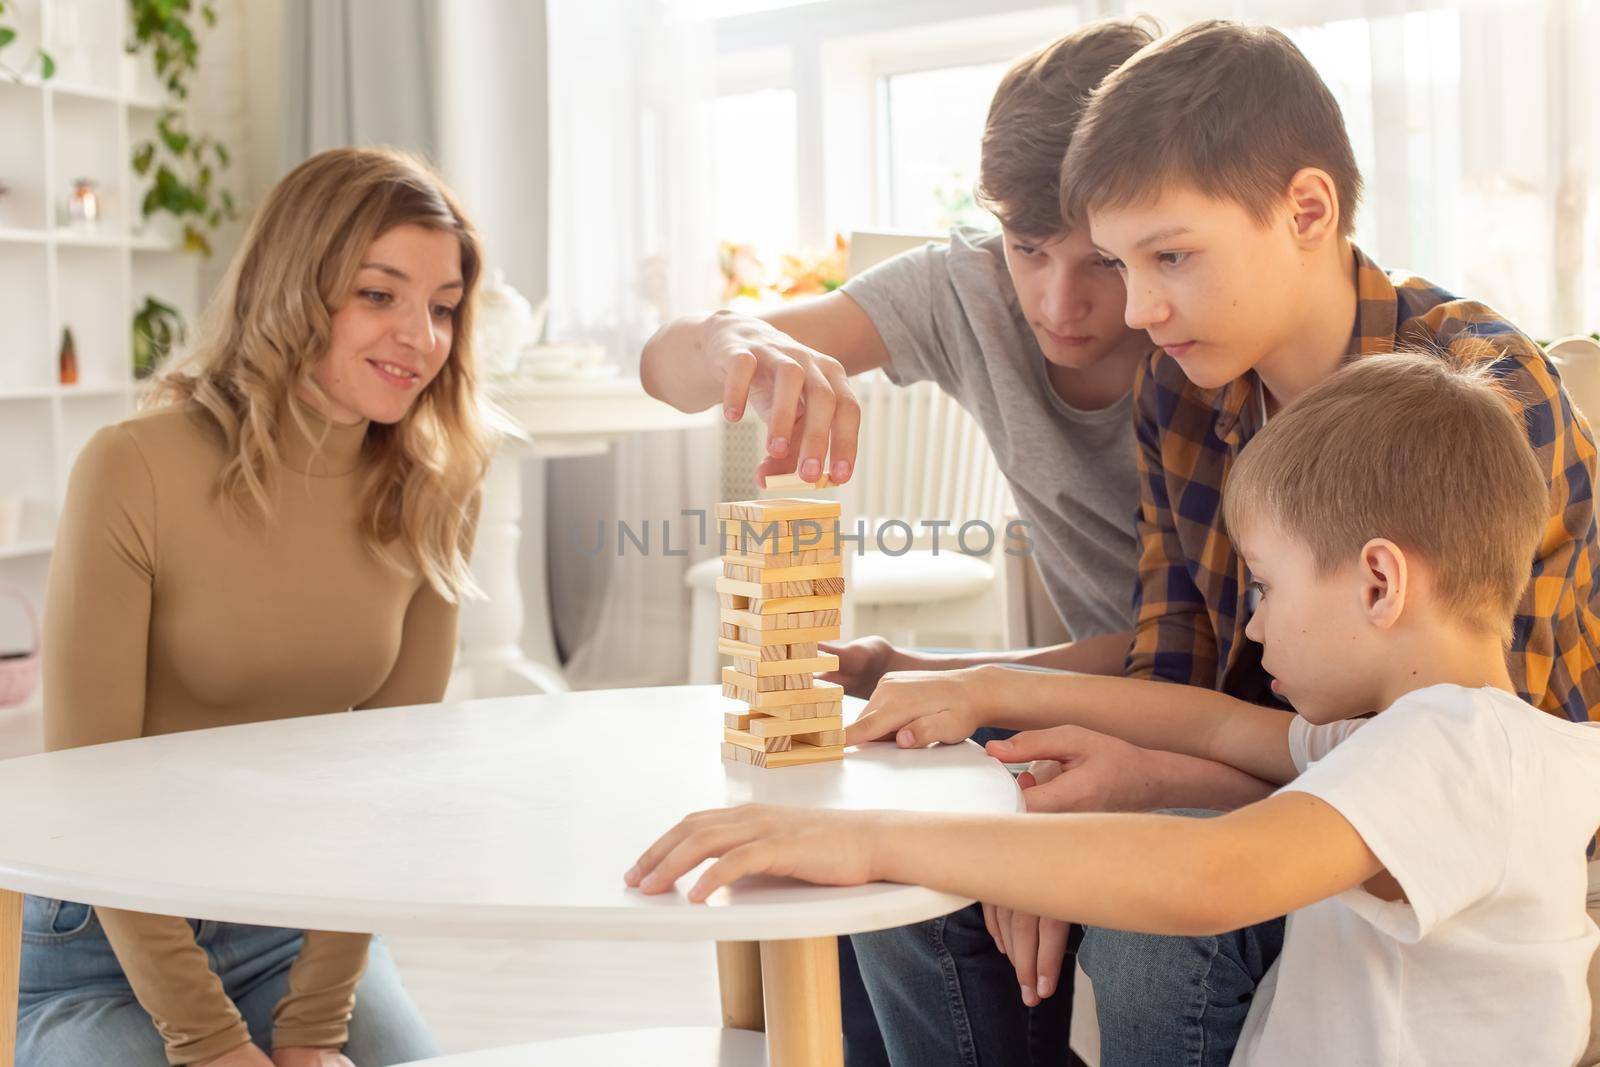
(271, 322)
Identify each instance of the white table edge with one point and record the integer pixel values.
(708, 922)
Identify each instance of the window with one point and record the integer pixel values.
(874, 108)
(756, 170)
(934, 122)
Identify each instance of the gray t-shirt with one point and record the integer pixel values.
(950, 314)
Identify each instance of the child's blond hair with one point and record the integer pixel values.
(1420, 450)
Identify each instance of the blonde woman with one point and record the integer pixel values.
(285, 533)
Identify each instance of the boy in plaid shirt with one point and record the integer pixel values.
(1214, 168)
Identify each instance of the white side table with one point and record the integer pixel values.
(478, 819)
(561, 419)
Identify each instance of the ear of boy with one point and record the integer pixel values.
(1387, 582)
(1315, 211)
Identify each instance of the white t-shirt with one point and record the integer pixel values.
(1481, 807)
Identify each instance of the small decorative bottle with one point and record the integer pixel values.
(69, 358)
(83, 206)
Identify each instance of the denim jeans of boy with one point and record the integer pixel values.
(942, 993)
(76, 1006)
(1175, 1001)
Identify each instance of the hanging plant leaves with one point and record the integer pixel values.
(185, 163)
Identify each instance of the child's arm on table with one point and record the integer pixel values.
(920, 709)
(1157, 874)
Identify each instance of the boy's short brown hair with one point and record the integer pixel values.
(1231, 110)
(1033, 114)
(1414, 448)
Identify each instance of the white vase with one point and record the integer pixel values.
(504, 323)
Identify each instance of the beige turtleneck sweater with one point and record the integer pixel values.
(167, 611)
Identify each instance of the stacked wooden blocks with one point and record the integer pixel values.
(781, 587)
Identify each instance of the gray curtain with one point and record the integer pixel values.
(358, 72)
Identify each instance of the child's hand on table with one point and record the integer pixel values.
(1075, 769)
(819, 846)
(919, 708)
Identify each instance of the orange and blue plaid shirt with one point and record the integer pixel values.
(1189, 602)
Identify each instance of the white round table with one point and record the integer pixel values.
(510, 817)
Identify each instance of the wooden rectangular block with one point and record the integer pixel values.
(808, 557)
(822, 738)
(827, 585)
(762, 744)
(753, 536)
(746, 619)
(772, 726)
(760, 653)
(820, 692)
(797, 756)
(794, 481)
(772, 683)
(780, 509)
(729, 631)
(823, 709)
(786, 605)
(803, 668)
(740, 543)
(763, 535)
(753, 635)
(832, 572)
(738, 720)
(733, 602)
(763, 590)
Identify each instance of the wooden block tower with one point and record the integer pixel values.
(781, 587)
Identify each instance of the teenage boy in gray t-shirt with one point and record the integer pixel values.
(1024, 328)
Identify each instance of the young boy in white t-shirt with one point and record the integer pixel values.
(1431, 859)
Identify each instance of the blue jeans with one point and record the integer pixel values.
(942, 993)
(1175, 1001)
(77, 1008)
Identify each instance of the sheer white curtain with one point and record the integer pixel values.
(630, 244)
(1477, 128)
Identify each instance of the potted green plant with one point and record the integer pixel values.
(181, 166)
(157, 327)
(47, 64)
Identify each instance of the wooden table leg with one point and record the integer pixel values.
(10, 966)
(739, 976)
(802, 983)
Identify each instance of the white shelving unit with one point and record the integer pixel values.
(83, 123)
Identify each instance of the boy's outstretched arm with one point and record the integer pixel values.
(1159, 874)
(1173, 718)
(918, 710)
